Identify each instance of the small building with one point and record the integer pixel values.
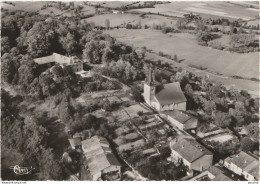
(191, 153)
(75, 143)
(73, 61)
(244, 165)
(181, 119)
(163, 97)
(214, 173)
(100, 161)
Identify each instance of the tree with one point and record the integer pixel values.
(175, 58)
(8, 70)
(253, 130)
(204, 37)
(224, 24)
(180, 23)
(69, 44)
(222, 119)
(247, 144)
(215, 92)
(107, 23)
(5, 45)
(200, 25)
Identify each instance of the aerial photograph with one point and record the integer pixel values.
(130, 91)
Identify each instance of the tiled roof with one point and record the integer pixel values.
(94, 142)
(253, 169)
(98, 154)
(190, 149)
(75, 141)
(180, 116)
(44, 60)
(169, 94)
(58, 58)
(218, 173)
(246, 162)
(222, 177)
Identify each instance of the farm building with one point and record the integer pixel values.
(165, 97)
(75, 142)
(181, 119)
(99, 160)
(191, 153)
(73, 61)
(214, 173)
(244, 165)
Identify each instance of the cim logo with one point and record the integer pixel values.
(21, 170)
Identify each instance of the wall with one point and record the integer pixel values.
(202, 163)
(248, 176)
(180, 106)
(191, 124)
(112, 168)
(147, 94)
(175, 123)
(177, 158)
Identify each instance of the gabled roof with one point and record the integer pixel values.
(58, 58)
(222, 177)
(246, 162)
(218, 174)
(169, 94)
(94, 142)
(75, 141)
(98, 155)
(190, 149)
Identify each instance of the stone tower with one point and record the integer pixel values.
(149, 86)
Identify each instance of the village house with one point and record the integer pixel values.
(244, 165)
(213, 173)
(163, 97)
(181, 119)
(75, 143)
(73, 61)
(192, 154)
(100, 162)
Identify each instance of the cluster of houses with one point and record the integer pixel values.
(170, 101)
(99, 161)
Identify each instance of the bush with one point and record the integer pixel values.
(161, 53)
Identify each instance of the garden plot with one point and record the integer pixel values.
(219, 131)
(149, 151)
(150, 123)
(123, 130)
(131, 145)
(102, 94)
(128, 138)
(121, 115)
(222, 138)
(134, 109)
(113, 99)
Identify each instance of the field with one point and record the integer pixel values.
(27, 6)
(205, 9)
(185, 47)
(115, 19)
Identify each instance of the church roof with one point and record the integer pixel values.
(170, 93)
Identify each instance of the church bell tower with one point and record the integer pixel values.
(149, 86)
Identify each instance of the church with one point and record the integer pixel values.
(163, 97)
